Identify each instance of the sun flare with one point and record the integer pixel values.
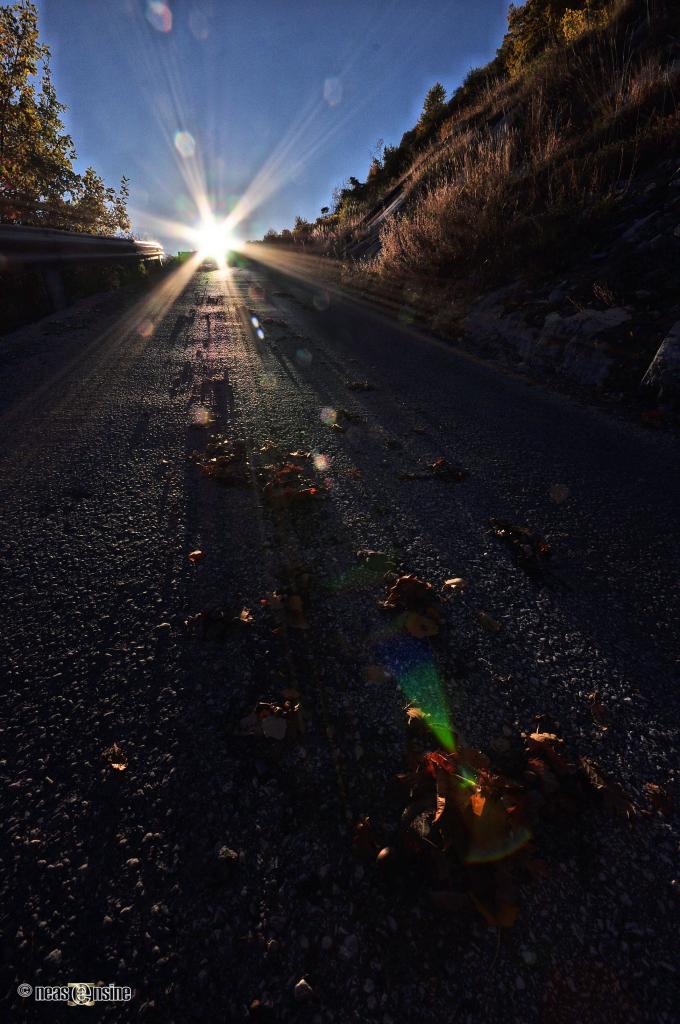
(214, 240)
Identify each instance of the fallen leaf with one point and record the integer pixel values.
(597, 709)
(409, 593)
(116, 759)
(454, 586)
(529, 547)
(196, 556)
(477, 802)
(488, 623)
(246, 615)
(613, 795)
(444, 470)
(660, 798)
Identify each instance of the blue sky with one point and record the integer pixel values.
(303, 88)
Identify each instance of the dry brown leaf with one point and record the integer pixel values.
(660, 798)
(410, 593)
(196, 556)
(488, 623)
(597, 709)
(477, 802)
(116, 758)
(454, 586)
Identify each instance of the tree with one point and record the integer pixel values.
(38, 184)
(35, 153)
(325, 210)
(97, 209)
(433, 106)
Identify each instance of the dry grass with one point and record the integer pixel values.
(560, 139)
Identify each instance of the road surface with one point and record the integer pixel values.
(126, 876)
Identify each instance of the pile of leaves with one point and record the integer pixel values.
(417, 604)
(289, 479)
(276, 720)
(530, 549)
(467, 827)
(223, 460)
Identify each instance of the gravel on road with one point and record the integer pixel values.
(149, 838)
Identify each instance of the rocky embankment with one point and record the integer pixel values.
(611, 324)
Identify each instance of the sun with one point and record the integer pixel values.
(214, 240)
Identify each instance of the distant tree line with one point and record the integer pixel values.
(38, 183)
(534, 27)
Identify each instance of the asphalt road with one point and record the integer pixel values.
(122, 876)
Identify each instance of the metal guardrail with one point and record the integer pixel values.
(20, 244)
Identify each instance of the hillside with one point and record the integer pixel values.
(535, 216)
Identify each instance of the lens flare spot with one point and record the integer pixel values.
(159, 15)
(328, 416)
(332, 91)
(260, 333)
(303, 357)
(185, 144)
(201, 416)
(198, 24)
(145, 329)
(321, 462)
(255, 322)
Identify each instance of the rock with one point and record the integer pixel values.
(303, 991)
(663, 372)
(563, 344)
(225, 864)
(54, 957)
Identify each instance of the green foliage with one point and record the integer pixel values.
(538, 24)
(38, 184)
(433, 106)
